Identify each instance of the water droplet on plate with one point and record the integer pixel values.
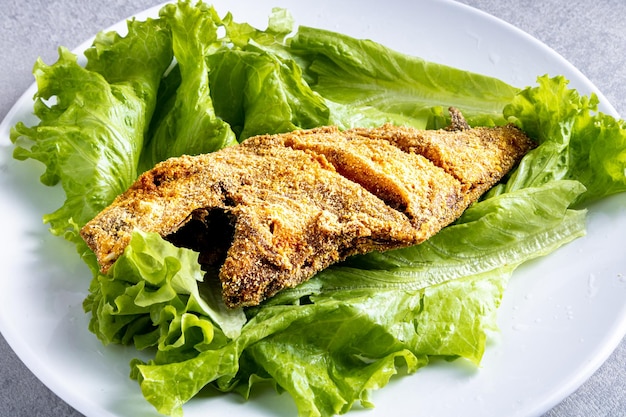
(520, 327)
(592, 288)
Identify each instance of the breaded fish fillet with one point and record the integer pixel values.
(273, 211)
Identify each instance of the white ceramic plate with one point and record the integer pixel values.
(560, 319)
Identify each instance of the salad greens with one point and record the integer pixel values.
(190, 82)
(92, 136)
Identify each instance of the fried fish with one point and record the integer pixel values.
(270, 213)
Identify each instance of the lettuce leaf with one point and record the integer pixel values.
(155, 296)
(92, 121)
(576, 141)
(256, 88)
(364, 74)
(259, 92)
(338, 348)
(190, 125)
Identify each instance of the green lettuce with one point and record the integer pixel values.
(93, 120)
(255, 88)
(191, 82)
(576, 141)
(260, 88)
(362, 74)
(155, 296)
(338, 348)
(189, 125)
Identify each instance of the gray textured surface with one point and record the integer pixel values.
(589, 34)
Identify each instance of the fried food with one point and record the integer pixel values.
(270, 213)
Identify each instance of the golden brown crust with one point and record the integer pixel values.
(275, 210)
